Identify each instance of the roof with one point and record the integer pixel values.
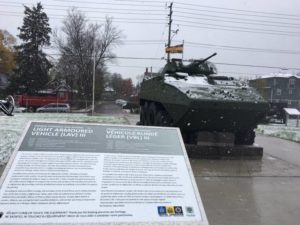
(291, 111)
(109, 89)
(277, 75)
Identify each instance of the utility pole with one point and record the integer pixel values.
(170, 27)
(94, 74)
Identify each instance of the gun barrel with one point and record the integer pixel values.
(198, 62)
(209, 57)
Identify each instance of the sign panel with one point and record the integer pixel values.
(175, 49)
(88, 173)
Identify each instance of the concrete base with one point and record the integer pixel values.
(224, 152)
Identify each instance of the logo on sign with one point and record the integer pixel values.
(178, 211)
(162, 211)
(189, 211)
(170, 210)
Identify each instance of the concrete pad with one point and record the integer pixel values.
(268, 166)
(224, 151)
(252, 192)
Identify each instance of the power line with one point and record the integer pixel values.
(237, 18)
(220, 8)
(85, 3)
(243, 48)
(61, 7)
(237, 14)
(96, 19)
(161, 4)
(237, 10)
(257, 66)
(143, 67)
(235, 28)
(212, 26)
(57, 7)
(212, 46)
(260, 23)
(218, 63)
(118, 4)
(238, 27)
(123, 13)
(220, 27)
(241, 73)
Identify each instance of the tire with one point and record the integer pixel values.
(162, 119)
(142, 115)
(151, 114)
(146, 114)
(245, 137)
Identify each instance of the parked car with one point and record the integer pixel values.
(54, 107)
(19, 109)
(121, 102)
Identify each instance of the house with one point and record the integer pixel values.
(280, 89)
(109, 93)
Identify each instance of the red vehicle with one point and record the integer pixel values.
(32, 102)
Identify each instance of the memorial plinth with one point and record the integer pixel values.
(67, 173)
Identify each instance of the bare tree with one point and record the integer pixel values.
(82, 40)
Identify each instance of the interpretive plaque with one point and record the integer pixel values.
(63, 173)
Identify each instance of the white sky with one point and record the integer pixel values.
(200, 22)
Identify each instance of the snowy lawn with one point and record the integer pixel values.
(11, 128)
(290, 132)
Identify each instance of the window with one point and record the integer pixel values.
(274, 82)
(289, 102)
(292, 83)
(290, 91)
(278, 91)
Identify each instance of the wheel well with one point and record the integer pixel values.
(157, 104)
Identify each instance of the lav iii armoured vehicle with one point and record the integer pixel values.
(197, 100)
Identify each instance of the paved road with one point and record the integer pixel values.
(108, 108)
(251, 192)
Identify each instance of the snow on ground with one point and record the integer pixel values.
(11, 127)
(290, 132)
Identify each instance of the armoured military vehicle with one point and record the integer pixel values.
(194, 98)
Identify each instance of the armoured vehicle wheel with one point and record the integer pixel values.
(162, 118)
(152, 111)
(146, 114)
(142, 115)
(245, 138)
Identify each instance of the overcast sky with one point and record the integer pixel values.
(248, 32)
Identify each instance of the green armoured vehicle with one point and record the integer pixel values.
(197, 100)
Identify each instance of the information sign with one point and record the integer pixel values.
(89, 173)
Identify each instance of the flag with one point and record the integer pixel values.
(175, 49)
